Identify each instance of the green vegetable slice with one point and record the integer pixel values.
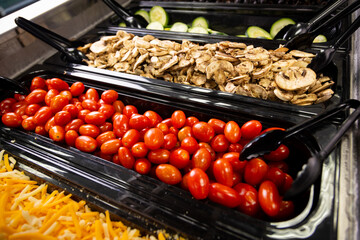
(158, 14)
(155, 26)
(216, 32)
(179, 27)
(122, 24)
(198, 30)
(257, 32)
(200, 22)
(279, 24)
(144, 14)
(320, 39)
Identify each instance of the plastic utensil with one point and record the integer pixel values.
(325, 56)
(291, 31)
(305, 40)
(66, 47)
(312, 169)
(135, 21)
(7, 83)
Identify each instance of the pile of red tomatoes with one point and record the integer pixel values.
(199, 156)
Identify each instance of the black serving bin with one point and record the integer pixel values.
(150, 204)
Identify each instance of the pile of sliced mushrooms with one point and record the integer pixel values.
(276, 75)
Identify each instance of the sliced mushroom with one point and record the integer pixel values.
(295, 78)
(98, 47)
(283, 95)
(219, 70)
(244, 67)
(198, 79)
(304, 99)
(324, 95)
(297, 53)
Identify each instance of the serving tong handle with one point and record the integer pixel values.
(65, 46)
(312, 169)
(304, 40)
(12, 84)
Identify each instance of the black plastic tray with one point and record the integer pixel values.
(151, 204)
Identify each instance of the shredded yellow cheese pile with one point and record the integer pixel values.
(28, 211)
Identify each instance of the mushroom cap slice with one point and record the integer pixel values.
(98, 47)
(283, 95)
(295, 78)
(219, 70)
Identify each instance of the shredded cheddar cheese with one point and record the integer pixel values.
(28, 211)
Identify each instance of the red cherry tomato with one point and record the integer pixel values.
(139, 150)
(223, 172)
(184, 132)
(201, 159)
(209, 148)
(159, 156)
(163, 127)
(170, 141)
(235, 147)
(139, 122)
(154, 138)
(58, 84)
(57, 133)
(77, 88)
(96, 118)
(255, 171)
(251, 129)
(287, 209)
(126, 158)
(66, 94)
(12, 119)
(90, 105)
(142, 166)
(198, 183)
(70, 137)
(190, 144)
(36, 96)
(72, 109)
(74, 124)
(154, 118)
(276, 176)
(283, 166)
(120, 125)
(220, 143)
(90, 130)
(92, 94)
(105, 136)
(131, 137)
(28, 124)
(249, 203)
(224, 195)
(42, 115)
(218, 125)
(110, 146)
(62, 118)
(180, 158)
(38, 83)
(190, 121)
(118, 106)
(269, 198)
(280, 154)
(129, 110)
(58, 103)
(203, 131)
(107, 109)
(169, 174)
(178, 119)
(107, 126)
(109, 96)
(233, 158)
(86, 144)
(232, 132)
(40, 130)
(288, 180)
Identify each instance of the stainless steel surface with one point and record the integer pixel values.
(19, 50)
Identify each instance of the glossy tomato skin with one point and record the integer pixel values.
(107, 126)
(129, 110)
(70, 137)
(169, 174)
(126, 158)
(220, 143)
(12, 119)
(190, 144)
(107, 109)
(57, 133)
(201, 159)
(179, 158)
(131, 137)
(269, 198)
(223, 172)
(159, 156)
(232, 132)
(90, 130)
(118, 106)
(190, 121)
(251, 129)
(224, 195)
(139, 122)
(249, 203)
(255, 171)
(154, 138)
(74, 124)
(50, 95)
(40, 129)
(109, 96)
(50, 123)
(90, 105)
(154, 118)
(218, 125)
(77, 88)
(120, 125)
(235, 147)
(72, 109)
(209, 148)
(185, 132)
(95, 117)
(57, 83)
(276, 176)
(280, 154)
(92, 94)
(178, 119)
(28, 124)
(105, 136)
(110, 147)
(287, 209)
(36, 96)
(203, 132)
(57, 103)
(170, 141)
(38, 83)
(139, 150)
(86, 144)
(62, 118)
(198, 183)
(142, 166)
(163, 127)
(43, 115)
(233, 158)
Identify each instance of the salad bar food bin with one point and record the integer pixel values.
(150, 205)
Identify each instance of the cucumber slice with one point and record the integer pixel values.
(122, 24)
(241, 35)
(144, 14)
(210, 31)
(200, 22)
(198, 30)
(279, 24)
(257, 32)
(320, 39)
(158, 14)
(179, 27)
(155, 26)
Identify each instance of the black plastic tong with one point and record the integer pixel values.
(66, 47)
(269, 141)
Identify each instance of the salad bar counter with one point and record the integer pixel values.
(210, 125)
